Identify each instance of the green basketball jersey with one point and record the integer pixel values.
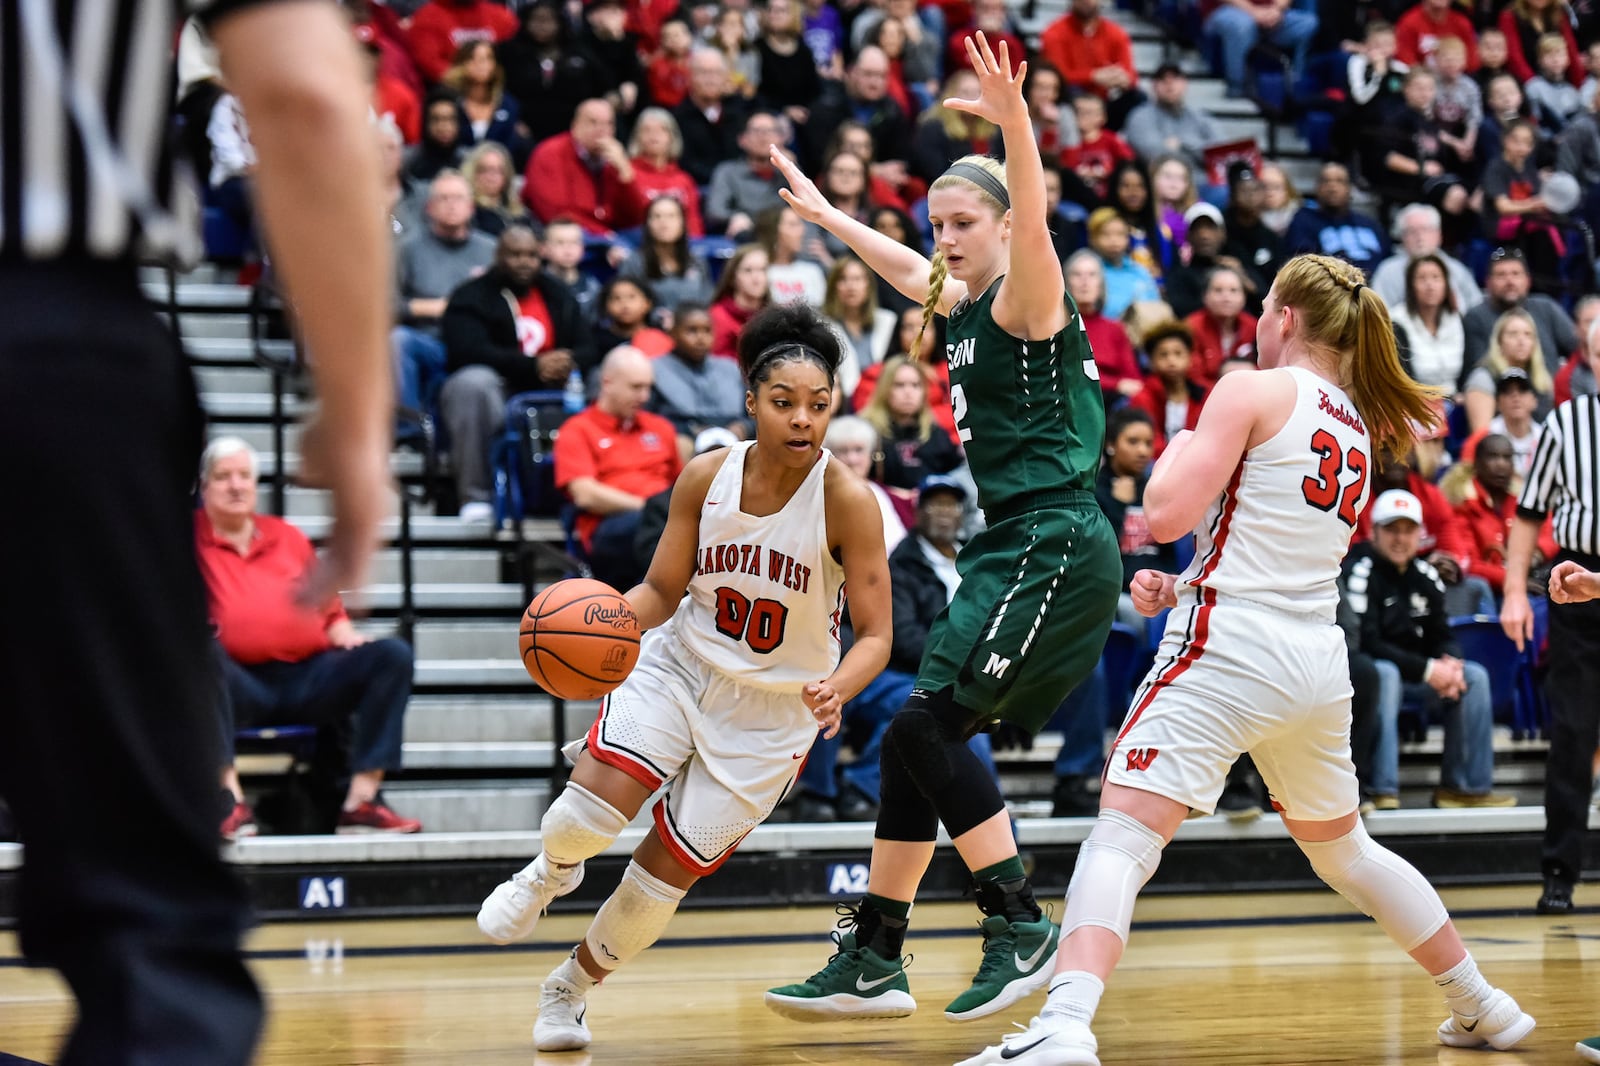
(1029, 412)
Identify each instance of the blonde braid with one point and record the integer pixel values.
(937, 272)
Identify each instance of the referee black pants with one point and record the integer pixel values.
(109, 754)
(1573, 685)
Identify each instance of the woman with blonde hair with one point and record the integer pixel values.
(1038, 586)
(489, 170)
(851, 304)
(945, 133)
(655, 148)
(1272, 482)
(1513, 343)
(910, 443)
(491, 114)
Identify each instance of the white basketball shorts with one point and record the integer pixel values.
(1235, 677)
(730, 751)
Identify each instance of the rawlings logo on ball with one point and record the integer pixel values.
(618, 617)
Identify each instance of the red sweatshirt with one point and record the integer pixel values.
(441, 26)
(558, 183)
(1442, 530)
(1208, 353)
(1417, 36)
(1113, 351)
(1526, 67)
(670, 180)
(1488, 526)
(1078, 51)
(1153, 402)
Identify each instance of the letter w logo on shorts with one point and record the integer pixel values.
(1139, 759)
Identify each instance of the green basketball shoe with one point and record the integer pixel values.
(1018, 958)
(856, 983)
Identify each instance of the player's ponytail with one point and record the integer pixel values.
(1338, 312)
(938, 271)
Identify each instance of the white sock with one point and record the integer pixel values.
(570, 973)
(1075, 994)
(1464, 988)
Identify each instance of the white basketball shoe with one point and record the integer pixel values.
(514, 907)
(560, 1026)
(1049, 1040)
(1501, 1025)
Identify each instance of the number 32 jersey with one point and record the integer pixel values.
(1277, 534)
(764, 603)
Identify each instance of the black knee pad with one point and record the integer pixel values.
(921, 744)
(904, 813)
(929, 737)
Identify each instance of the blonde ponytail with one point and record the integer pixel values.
(1339, 313)
(937, 272)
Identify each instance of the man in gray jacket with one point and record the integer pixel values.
(1421, 233)
(1167, 125)
(1507, 287)
(743, 188)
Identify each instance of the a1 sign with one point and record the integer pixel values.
(321, 893)
(847, 879)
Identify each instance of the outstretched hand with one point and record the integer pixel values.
(999, 90)
(802, 193)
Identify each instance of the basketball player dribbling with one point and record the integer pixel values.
(738, 669)
(1271, 481)
(1038, 588)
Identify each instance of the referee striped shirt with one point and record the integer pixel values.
(85, 112)
(1564, 479)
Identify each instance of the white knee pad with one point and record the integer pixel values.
(1384, 886)
(631, 920)
(578, 826)
(1120, 855)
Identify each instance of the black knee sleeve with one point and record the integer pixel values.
(904, 813)
(929, 737)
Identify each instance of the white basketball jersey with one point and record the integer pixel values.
(763, 605)
(1279, 531)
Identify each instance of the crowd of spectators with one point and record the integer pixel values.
(582, 199)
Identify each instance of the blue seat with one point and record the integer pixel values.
(224, 239)
(1485, 643)
(298, 740)
(522, 460)
(1126, 659)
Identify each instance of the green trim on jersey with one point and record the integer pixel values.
(1029, 412)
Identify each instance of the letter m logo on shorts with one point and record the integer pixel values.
(1139, 759)
(997, 665)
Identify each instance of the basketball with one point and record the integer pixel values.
(579, 639)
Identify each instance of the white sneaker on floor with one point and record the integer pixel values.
(476, 511)
(1502, 1025)
(1049, 1040)
(560, 1026)
(514, 907)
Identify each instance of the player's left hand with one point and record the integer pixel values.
(1152, 590)
(1000, 91)
(825, 706)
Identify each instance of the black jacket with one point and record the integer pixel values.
(480, 327)
(891, 130)
(705, 144)
(1402, 613)
(919, 596)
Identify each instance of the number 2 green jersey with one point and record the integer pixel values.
(1029, 412)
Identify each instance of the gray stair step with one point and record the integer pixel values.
(490, 599)
(430, 529)
(467, 640)
(524, 755)
(460, 720)
(471, 809)
(199, 294)
(440, 566)
(501, 673)
(247, 406)
(259, 435)
(239, 350)
(241, 377)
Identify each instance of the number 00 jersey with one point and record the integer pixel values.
(1279, 531)
(764, 602)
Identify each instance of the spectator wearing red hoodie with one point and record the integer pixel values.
(1420, 30)
(1222, 328)
(990, 17)
(441, 26)
(1490, 508)
(741, 292)
(1524, 23)
(1114, 356)
(586, 175)
(380, 23)
(1170, 396)
(668, 74)
(1094, 55)
(655, 147)
(391, 97)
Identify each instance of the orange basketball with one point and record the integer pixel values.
(579, 639)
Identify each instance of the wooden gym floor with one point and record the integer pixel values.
(1242, 979)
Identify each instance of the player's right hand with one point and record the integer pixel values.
(1153, 592)
(357, 471)
(802, 193)
(825, 706)
(1516, 616)
(1571, 583)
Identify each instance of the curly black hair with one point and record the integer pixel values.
(787, 333)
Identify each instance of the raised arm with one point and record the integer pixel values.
(901, 267)
(1031, 301)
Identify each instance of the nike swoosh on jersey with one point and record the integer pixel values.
(1032, 960)
(712, 503)
(799, 755)
(1015, 1052)
(863, 985)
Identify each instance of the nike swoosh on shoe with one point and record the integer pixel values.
(863, 985)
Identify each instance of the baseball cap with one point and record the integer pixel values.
(1200, 209)
(1395, 505)
(941, 483)
(714, 437)
(1169, 67)
(1513, 377)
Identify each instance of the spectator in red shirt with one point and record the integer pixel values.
(1098, 150)
(1170, 396)
(656, 146)
(1222, 328)
(668, 76)
(742, 290)
(1114, 356)
(1524, 22)
(1420, 30)
(391, 96)
(1489, 509)
(586, 174)
(441, 26)
(285, 664)
(990, 17)
(610, 458)
(1094, 55)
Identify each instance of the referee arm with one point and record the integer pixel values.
(294, 68)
